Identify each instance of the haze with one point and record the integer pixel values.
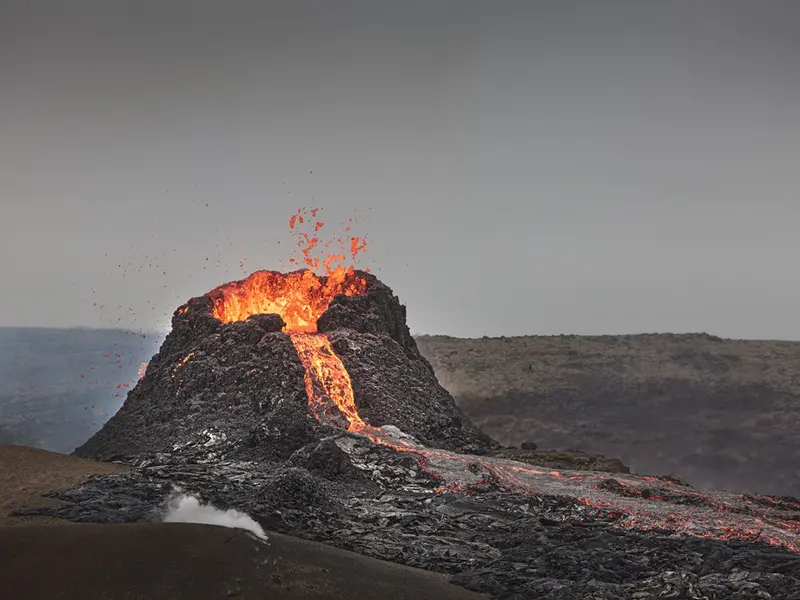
(518, 167)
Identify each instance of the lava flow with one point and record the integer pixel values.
(301, 297)
(330, 392)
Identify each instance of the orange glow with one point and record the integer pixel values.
(299, 297)
(182, 362)
(327, 381)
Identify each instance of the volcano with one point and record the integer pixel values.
(302, 400)
(278, 360)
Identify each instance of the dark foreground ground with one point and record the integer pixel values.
(518, 533)
(179, 561)
(43, 557)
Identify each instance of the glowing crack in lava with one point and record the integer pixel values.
(299, 297)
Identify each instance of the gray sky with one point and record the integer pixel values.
(518, 167)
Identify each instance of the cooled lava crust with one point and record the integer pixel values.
(245, 380)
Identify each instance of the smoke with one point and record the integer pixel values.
(188, 509)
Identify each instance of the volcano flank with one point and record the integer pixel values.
(277, 360)
(303, 401)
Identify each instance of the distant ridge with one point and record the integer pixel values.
(719, 412)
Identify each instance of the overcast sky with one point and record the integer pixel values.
(518, 167)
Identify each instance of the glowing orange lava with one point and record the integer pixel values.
(327, 381)
(299, 297)
(309, 242)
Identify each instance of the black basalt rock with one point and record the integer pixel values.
(392, 389)
(325, 459)
(270, 323)
(237, 390)
(378, 312)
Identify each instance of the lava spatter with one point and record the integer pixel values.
(299, 297)
(314, 252)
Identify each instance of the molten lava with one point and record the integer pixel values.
(299, 297)
(327, 382)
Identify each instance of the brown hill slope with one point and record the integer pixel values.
(174, 561)
(27, 473)
(720, 413)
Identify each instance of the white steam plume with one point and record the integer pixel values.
(188, 509)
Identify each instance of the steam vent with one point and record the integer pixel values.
(276, 361)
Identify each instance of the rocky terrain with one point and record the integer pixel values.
(718, 413)
(343, 435)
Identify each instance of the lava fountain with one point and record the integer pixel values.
(300, 298)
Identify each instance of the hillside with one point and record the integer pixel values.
(719, 413)
(27, 473)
